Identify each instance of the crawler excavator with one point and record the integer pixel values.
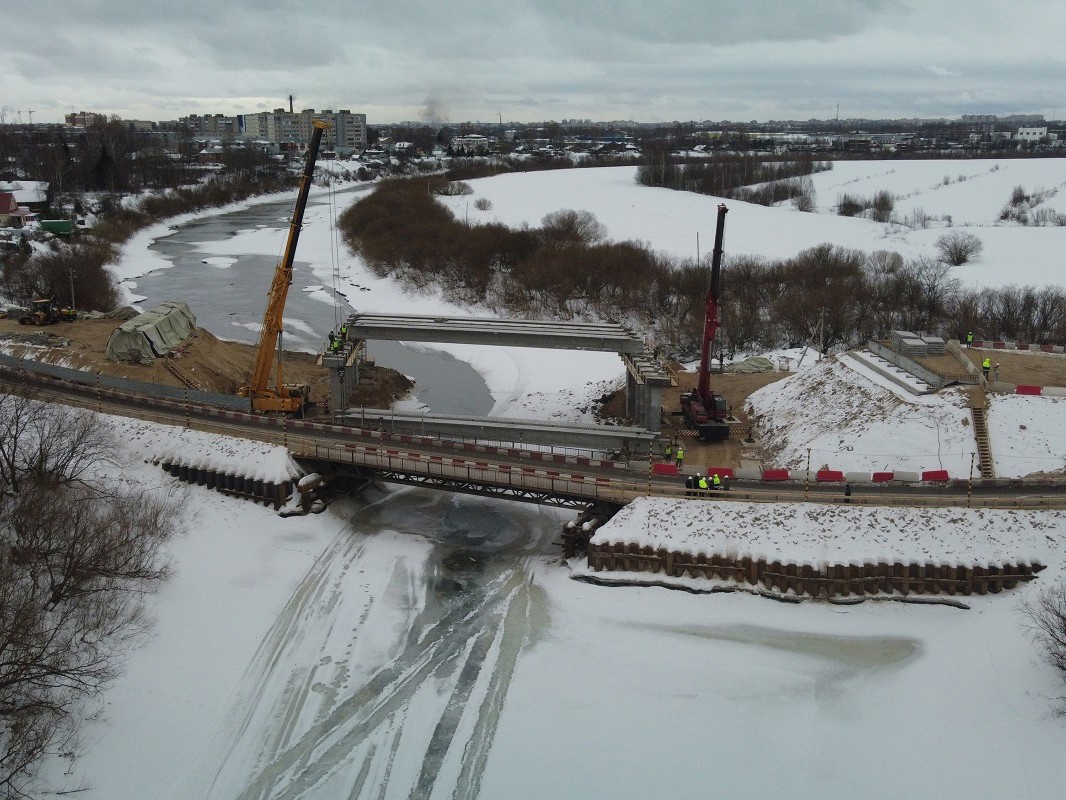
(282, 397)
(706, 411)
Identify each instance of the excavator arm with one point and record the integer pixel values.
(281, 397)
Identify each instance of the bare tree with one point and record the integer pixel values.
(958, 247)
(1047, 623)
(47, 444)
(75, 561)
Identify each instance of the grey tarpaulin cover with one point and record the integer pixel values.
(753, 364)
(151, 334)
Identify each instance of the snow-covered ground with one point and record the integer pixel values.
(429, 645)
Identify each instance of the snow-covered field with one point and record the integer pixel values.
(428, 645)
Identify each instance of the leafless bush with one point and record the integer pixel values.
(454, 189)
(69, 271)
(483, 204)
(958, 247)
(850, 205)
(882, 204)
(568, 226)
(804, 201)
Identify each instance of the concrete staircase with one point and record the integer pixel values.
(978, 402)
(897, 375)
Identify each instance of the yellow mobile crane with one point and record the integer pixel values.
(288, 398)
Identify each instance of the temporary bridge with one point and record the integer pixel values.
(645, 376)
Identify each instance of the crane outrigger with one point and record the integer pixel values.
(286, 398)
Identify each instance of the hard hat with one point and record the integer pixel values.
(997, 363)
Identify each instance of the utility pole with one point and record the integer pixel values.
(821, 334)
(807, 476)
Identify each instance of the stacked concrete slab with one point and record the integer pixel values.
(934, 345)
(909, 344)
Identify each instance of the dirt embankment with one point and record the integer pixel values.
(207, 362)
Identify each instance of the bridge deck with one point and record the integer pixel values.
(603, 337)
(603, 438)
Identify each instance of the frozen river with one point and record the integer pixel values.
(328, 708)
(227, 293)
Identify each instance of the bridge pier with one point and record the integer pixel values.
(645, 380)
(343, 366)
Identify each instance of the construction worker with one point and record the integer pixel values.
(690, 484)
(679, 456)
(670, 452)
(995, 374)
(986, 366)
(969, 339)
(332, 342)
(702, 483)
(725, 482)
(716, 482)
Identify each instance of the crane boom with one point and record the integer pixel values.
(282, 397)
(712, 321)
(703, 409)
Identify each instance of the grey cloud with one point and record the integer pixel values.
(720, 22)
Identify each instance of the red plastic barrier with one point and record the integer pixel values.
(999, 345)
(883, 477)
(723, 472)
(1024, 389)
(829, 476)
(1047, 348)
(935, 475)
(775, 474)
(664, 469)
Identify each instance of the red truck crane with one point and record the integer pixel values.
(704, 410)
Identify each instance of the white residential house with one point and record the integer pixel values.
(1031, 134)
(470, 143)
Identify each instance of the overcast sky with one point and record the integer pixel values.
(532, 60)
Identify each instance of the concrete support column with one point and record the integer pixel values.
(654, 421)
(343, 366)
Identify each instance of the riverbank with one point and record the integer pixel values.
(212, 364)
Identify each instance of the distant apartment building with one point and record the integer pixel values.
(1008, 120)
(346, 132)
(83, 119)
(211, 125)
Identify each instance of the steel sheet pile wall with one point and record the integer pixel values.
(274, 494)
(828, 581)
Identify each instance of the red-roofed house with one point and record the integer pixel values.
(12, 215)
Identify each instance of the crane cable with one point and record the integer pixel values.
(334, 246)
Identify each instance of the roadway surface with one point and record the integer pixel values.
(515, 473)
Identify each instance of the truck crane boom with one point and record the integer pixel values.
(282, 397)
(703, 409)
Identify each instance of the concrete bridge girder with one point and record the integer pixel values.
(645, 375)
